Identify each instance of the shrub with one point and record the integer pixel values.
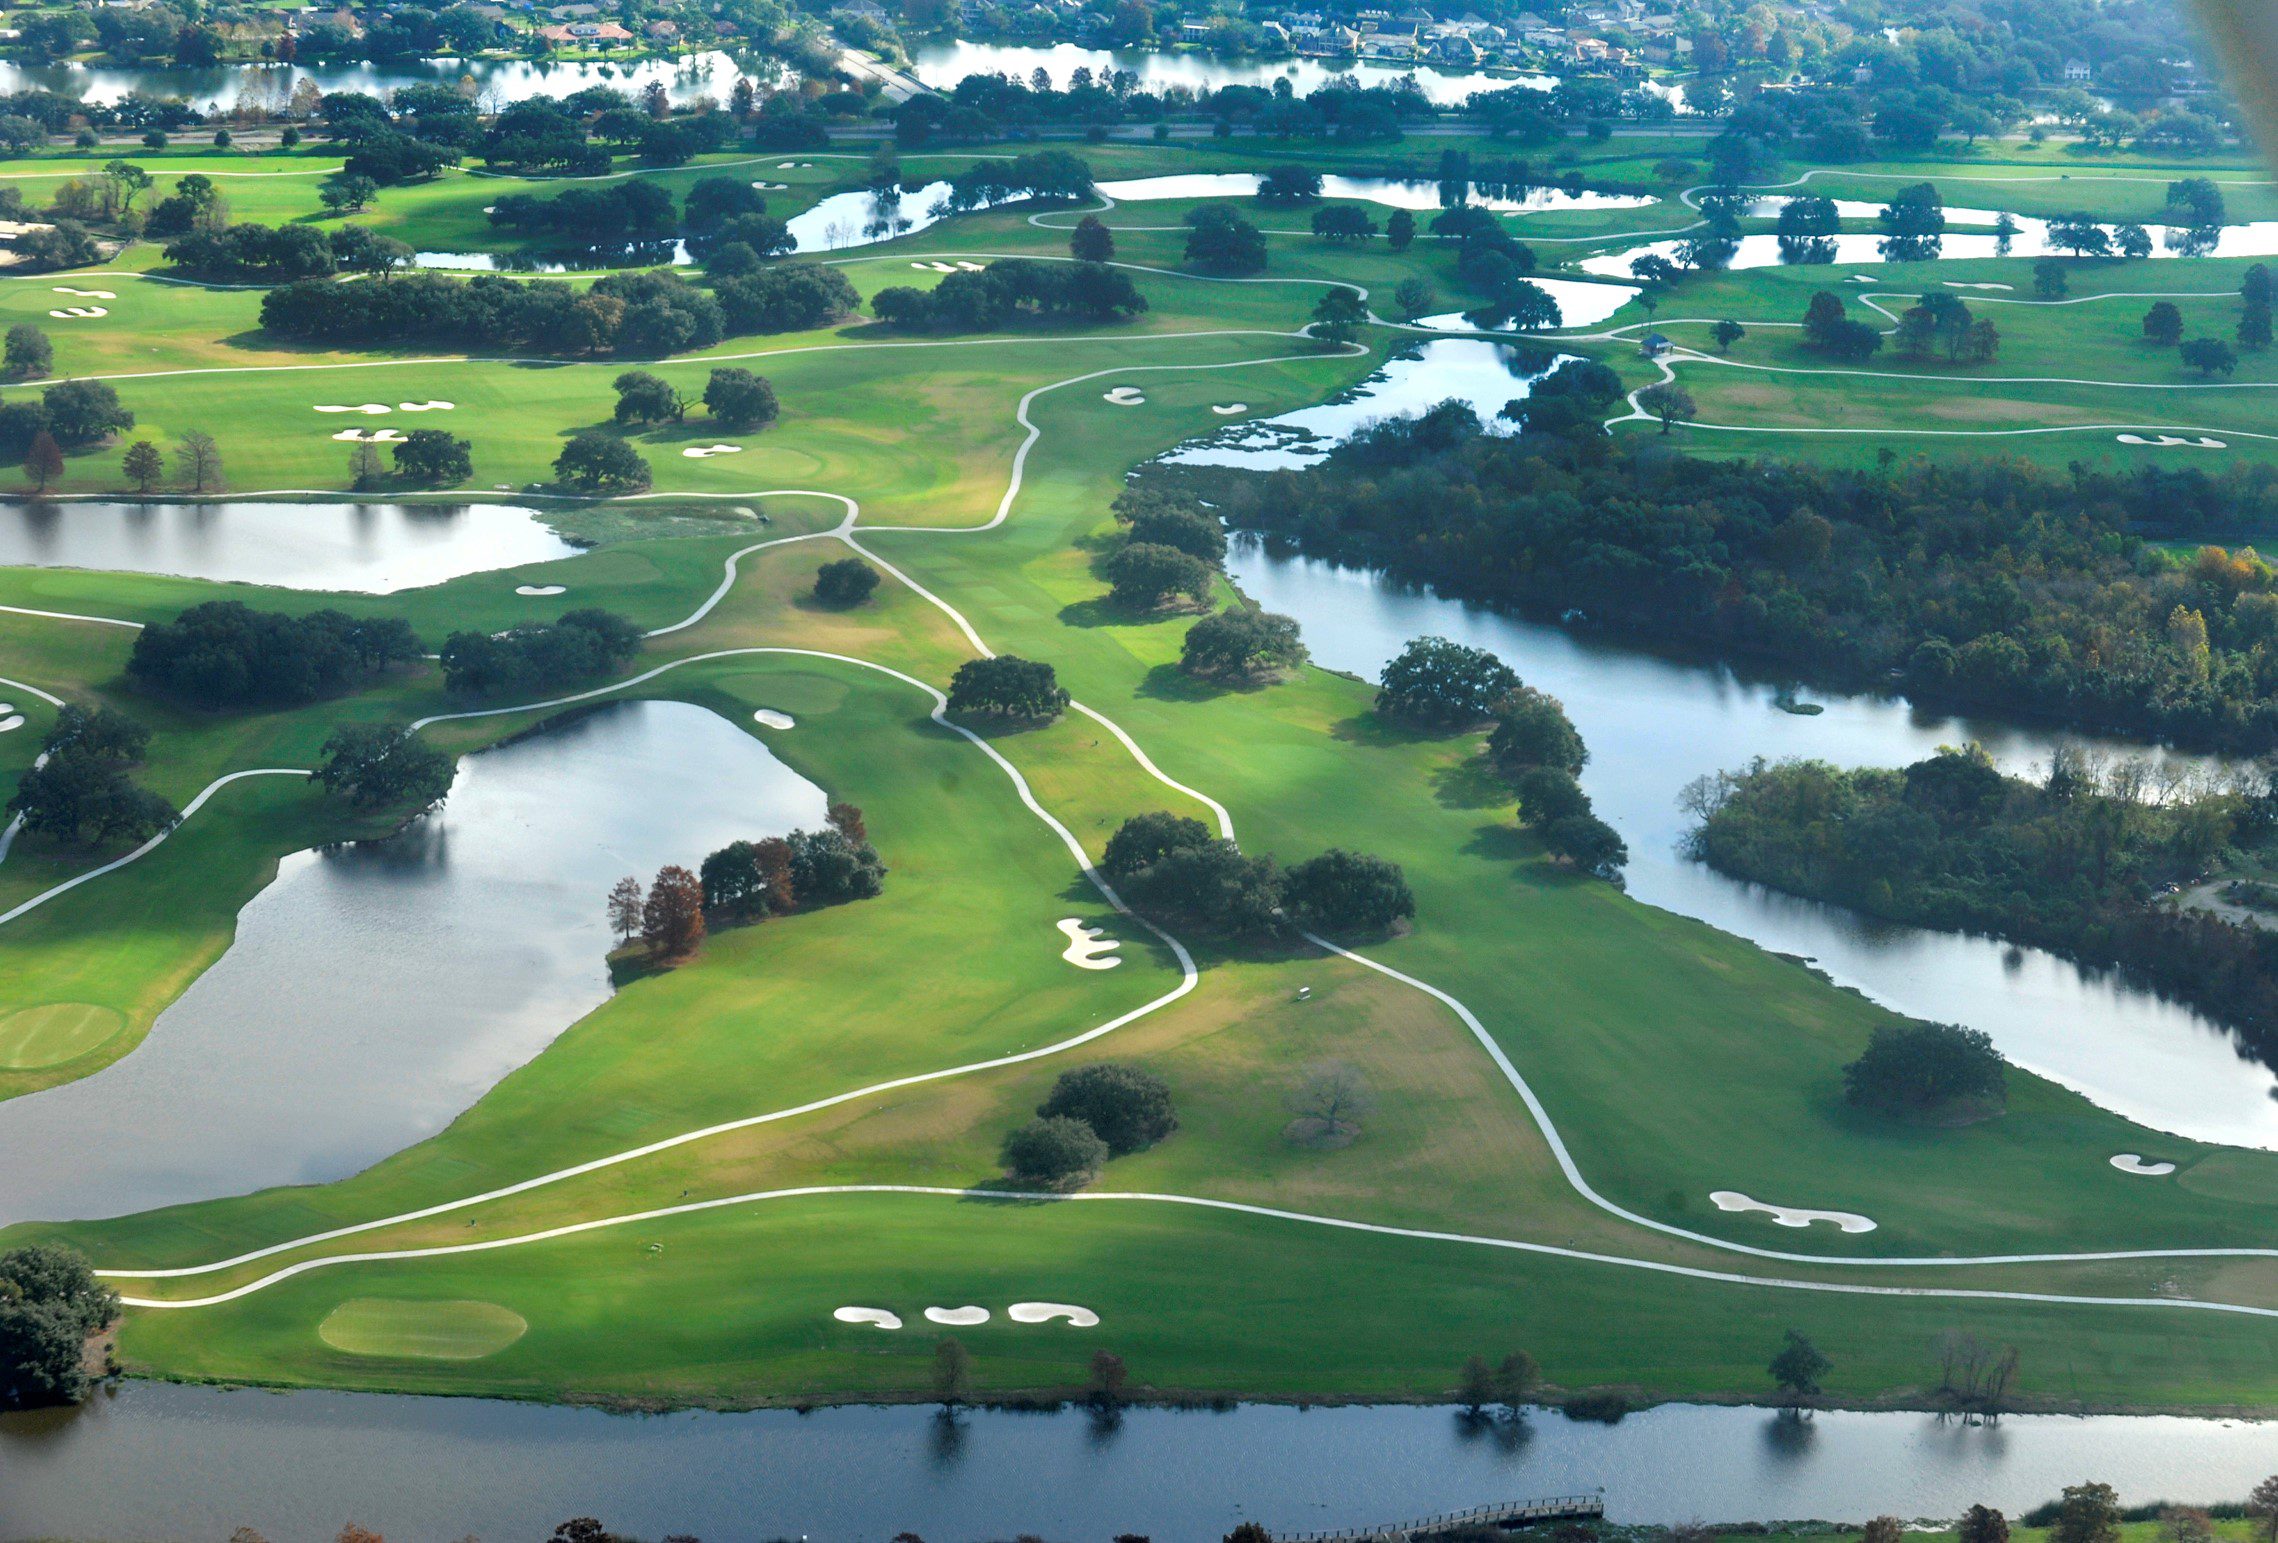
(1054, 1154)
(1127, 1107)
(844, 583)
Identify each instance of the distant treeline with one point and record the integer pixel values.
(1012, 288)
(1964, 580)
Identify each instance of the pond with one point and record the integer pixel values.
(647, 254)
(1581, 303)
(268, 87)
(943, 64)
(159, 1461)
(374, 992)
(1654, 723)
(365, 548)
(1390, 192)
(863, 218)
(1762, 250)
(1483, 374)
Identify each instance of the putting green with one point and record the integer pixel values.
(54, 1032)
(432, 1331)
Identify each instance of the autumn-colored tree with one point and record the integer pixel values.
(846, 819)
(672, 918)
(625, 908)
(43, 462)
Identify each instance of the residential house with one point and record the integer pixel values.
(2077, 72)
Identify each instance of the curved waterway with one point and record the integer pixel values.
(1654, 723)
(367, 548)
(160, 1461)
(374, 992)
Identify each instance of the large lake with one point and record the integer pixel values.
(370, 548)
(158, 1461)
(374, 992)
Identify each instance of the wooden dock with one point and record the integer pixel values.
(1514, 1513)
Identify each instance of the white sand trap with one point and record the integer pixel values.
(1045, 1312)
(1124, 396)
(1089, 948)
(794, 165)
(537, 589)
(771, 187)
(2170, 441)
(871, 1315)
(369, 437)
(366, 408)
(1229, 409)
(942, 267)
(427, 407)
(2129, 1162)
(1959, 284)
(769, 718)
(79, 313)
(11, 723)
(1860, 278)
(969, 267)
(706, 452)
(1790, 1216)
(85, 294)
(921, 267)
(957, 1317)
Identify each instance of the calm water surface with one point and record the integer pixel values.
(367, 548)
(374, 992)
(2258, 238)
(1653, 724)
(943, 64)
(156, 1461)
(1391, 192)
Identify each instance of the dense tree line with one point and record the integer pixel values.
(1972, 580)
(540, 655)
(1009, 290)
(1176, 867)
(749, 881)
(655, 312)
(2079, 862)
(225, 654)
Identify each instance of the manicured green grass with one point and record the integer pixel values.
(1673, 1058)
(420, 1330)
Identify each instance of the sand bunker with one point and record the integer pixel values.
(1088, 947)
(2129, 1162)
(11, 723)
(969, 267)
(85, 294)
(79, 313)
(942, 267)
(427, 407)
(1959, 284)
(769, 718)
(957, 1317)
(1859, 278)
(794, 165)
(1229, 409)
(871, 1315)
(1045, 1312)
(361, 407)
(771, 187)
(706, 452)
(537, 589)
(1790, 1216)
(1124, 396)
(2170, 441)
(369, 437)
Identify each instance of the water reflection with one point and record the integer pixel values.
(366, 548)
(374, 992)
(943, 64)
(2258, 238)
(158, 1460)
(1654, 723)
(1392, 193)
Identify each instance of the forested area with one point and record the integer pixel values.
(1963, 581)
(2081, 862)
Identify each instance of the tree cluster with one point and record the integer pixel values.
(1012, 289)
(1093, 1113)
(225, 654)
(1176, 867)
(384, 765)
(50, 1302)
(1007, 686)
(2079, 863)
(538, 656)
(654, 312)
(80, 791)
